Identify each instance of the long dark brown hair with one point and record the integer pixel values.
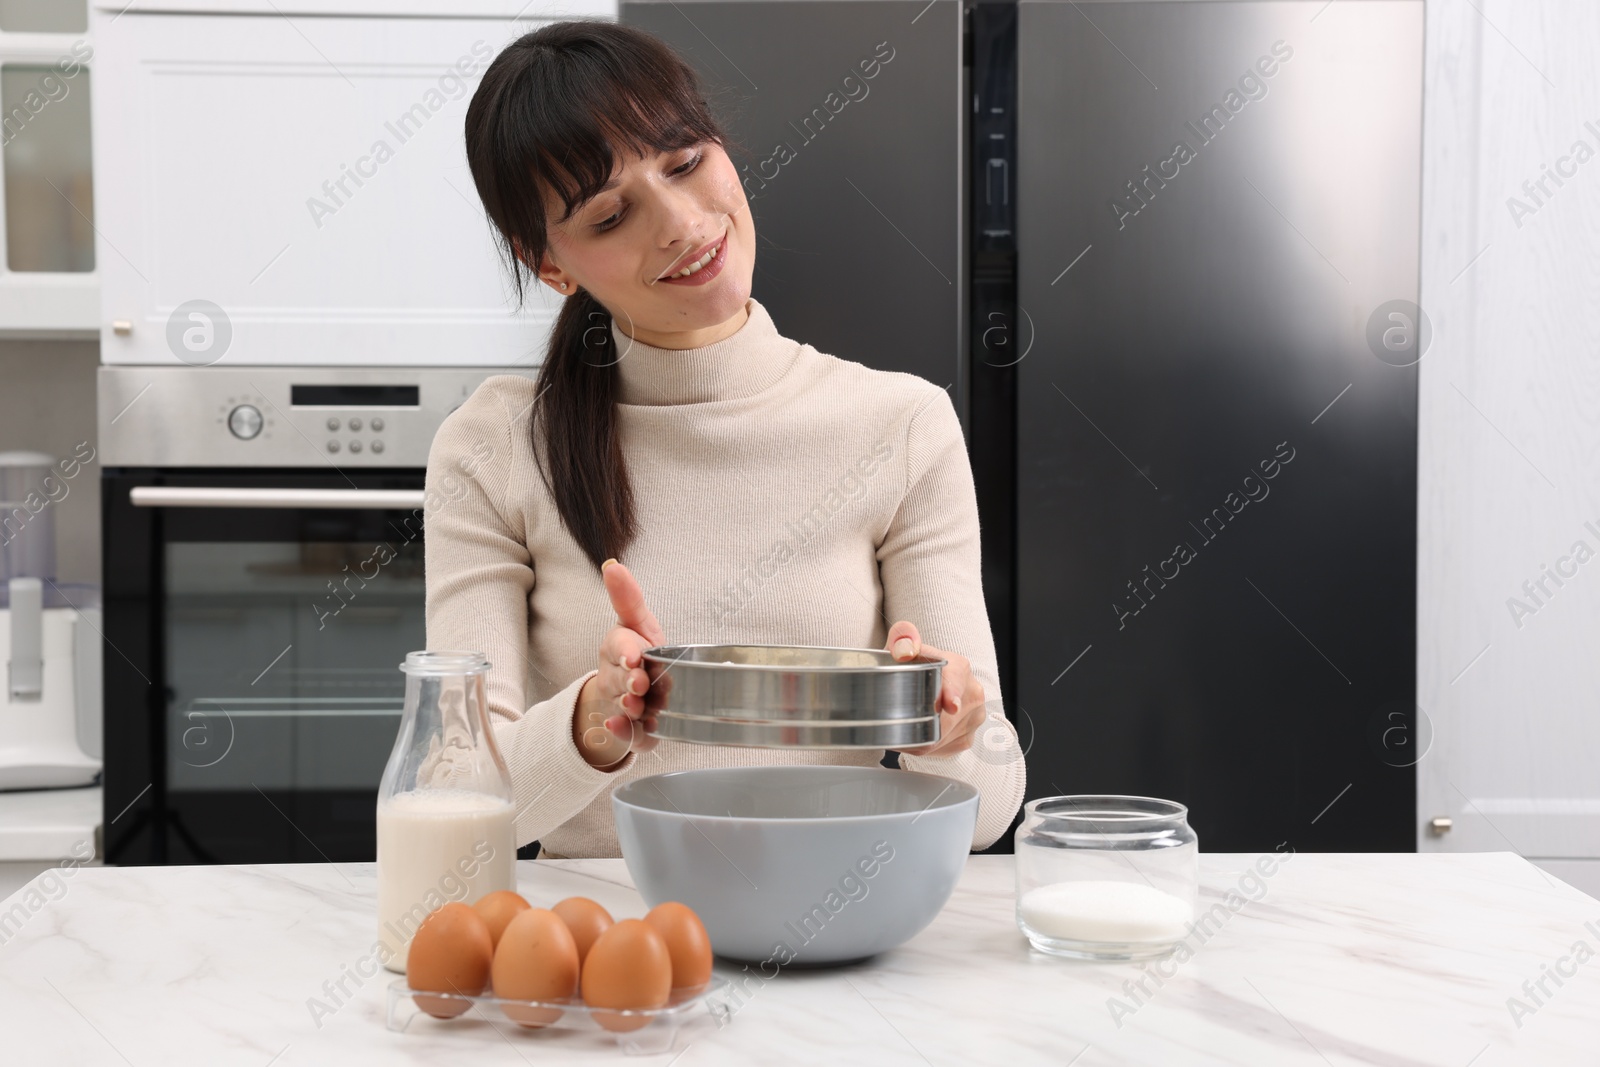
(549, 112)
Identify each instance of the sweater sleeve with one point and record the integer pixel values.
(479, 574)
(929, 563)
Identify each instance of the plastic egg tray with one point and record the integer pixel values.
(657, 1034)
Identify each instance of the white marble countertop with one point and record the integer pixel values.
(1389, 960)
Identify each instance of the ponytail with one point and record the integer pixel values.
(575, 417)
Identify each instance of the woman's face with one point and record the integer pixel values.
(658, 217)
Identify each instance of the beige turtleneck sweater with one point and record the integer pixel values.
(784, 497)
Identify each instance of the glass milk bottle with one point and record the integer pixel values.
(445, 807)
(1106, 877)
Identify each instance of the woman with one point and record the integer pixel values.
(758, 490)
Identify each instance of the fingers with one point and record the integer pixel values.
(660, 684)
(954, 681)
(624, 677)
(961, 697)
(903, 641)
(633, 716)
(961, 706)
(956, 732)
(627, 600)
(956, 677)
(641, 730)
(627, 679)
(630, 718)
(955, 729)
(965, 725)
(621, 657)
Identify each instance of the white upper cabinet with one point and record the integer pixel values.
(292, 189)
(473, 9)
(48, 283)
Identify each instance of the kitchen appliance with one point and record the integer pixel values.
(790, 696)
(1155, 251)
(798, 864)
(50, 703)
(262, 546)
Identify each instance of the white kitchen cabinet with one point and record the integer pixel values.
(292, 189)
(48, 283)
(1508, 605)
(484, 9)
(45, 828)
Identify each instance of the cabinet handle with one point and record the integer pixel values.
(1440, 825)
(175, 496)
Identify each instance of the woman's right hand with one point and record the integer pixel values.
(615, 713)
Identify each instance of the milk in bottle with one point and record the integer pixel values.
(445, 812)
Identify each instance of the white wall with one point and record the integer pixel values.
(1509, 464)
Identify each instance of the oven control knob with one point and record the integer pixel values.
(245, 421)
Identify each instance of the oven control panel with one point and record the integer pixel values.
(352, 428)
(245, 421)
(279, 416)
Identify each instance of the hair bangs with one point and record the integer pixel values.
(577, 161)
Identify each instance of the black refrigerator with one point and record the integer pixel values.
(1165, 255)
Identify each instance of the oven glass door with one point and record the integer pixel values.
(278, 632)
(282, 662)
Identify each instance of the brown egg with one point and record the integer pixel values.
(450, 953)
(535, 960)
(628, 968)
(587, 921)
(687, 943)
(498, 909)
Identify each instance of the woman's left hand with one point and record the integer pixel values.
(960, 704)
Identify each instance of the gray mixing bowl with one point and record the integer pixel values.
(808, 864)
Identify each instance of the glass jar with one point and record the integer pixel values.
(445, 810)
(1106, 877)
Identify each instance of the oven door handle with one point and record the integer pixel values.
(174, 496)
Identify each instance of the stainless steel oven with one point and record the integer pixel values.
(262, 552)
